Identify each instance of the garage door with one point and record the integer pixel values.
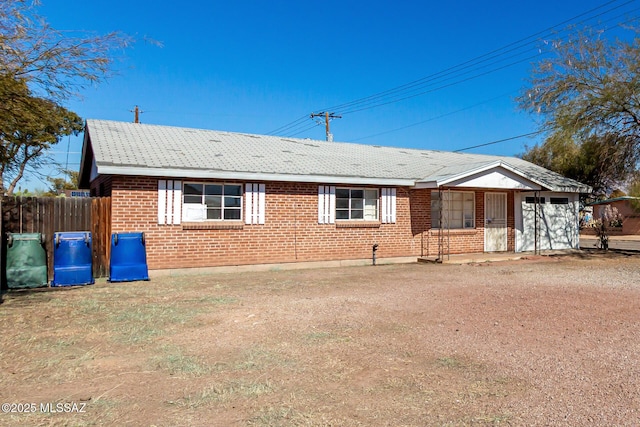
(552, 218)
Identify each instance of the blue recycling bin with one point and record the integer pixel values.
(72, 259)
(128, 258)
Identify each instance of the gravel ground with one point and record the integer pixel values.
(540, 341)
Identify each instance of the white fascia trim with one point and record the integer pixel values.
(426, 184)
(558, 188)
(487, 167)
(249, 176)
(484, 168)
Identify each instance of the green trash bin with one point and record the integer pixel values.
(26, 261)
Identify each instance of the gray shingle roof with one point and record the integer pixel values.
(141, 149)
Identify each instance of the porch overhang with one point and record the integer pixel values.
(497, 175)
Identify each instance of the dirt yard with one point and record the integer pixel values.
(543, 341)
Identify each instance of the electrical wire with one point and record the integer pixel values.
(422, 86)
(475, 61)
(430, 119)
(498, 141)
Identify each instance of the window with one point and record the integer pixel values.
(356, 204)
(559, 200)
(458, 209)
(212, 201)
(531, 200)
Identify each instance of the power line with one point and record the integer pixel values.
(477, 60)
(306, 129)
(450, 113)
(419, 87)
(289, 125)
(405, 94)
(327, 115)
(498, 141)
(442, 86)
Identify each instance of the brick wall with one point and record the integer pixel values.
(291, 232)
(101, 186)
(630, 218)
(467, 240)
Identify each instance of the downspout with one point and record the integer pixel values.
(536, 200)
(441, 220)
(449, 225)
(295, 232)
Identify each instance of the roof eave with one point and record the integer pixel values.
(249, 176)
(85, 160)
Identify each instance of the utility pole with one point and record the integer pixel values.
(136, 114)
(327, 115)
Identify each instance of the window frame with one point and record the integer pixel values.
(530, 200)
(352, 208)
(223, 197)
(558, 200)
(463, 212)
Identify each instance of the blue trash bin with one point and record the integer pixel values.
(72, 259)
(128, 258)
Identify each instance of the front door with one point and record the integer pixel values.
(495, 222)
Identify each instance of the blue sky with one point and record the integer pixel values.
(255, 66)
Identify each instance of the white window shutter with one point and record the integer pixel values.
(326, 204)
(255, 205)
(169, 215)
(169, 201)
(261, 203)
(254, 200)
(388, 205)
(248, 203)
(332, 205)
(321, 204)
(383, 210)
(177, 202)
(162, 201)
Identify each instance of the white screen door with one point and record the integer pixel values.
(495, 222)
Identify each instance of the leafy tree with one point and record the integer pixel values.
(41, 67)
(617, 193)
(587, 97)
(634, 191)
(601, 162)
(26, 135)
(67, 182)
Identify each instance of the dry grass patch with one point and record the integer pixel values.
(521, 343)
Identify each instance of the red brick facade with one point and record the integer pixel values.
(630, 217)
(291, 232)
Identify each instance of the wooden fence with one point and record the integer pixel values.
(48, 215)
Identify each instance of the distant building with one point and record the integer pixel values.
(77, 193)
(630, 215)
